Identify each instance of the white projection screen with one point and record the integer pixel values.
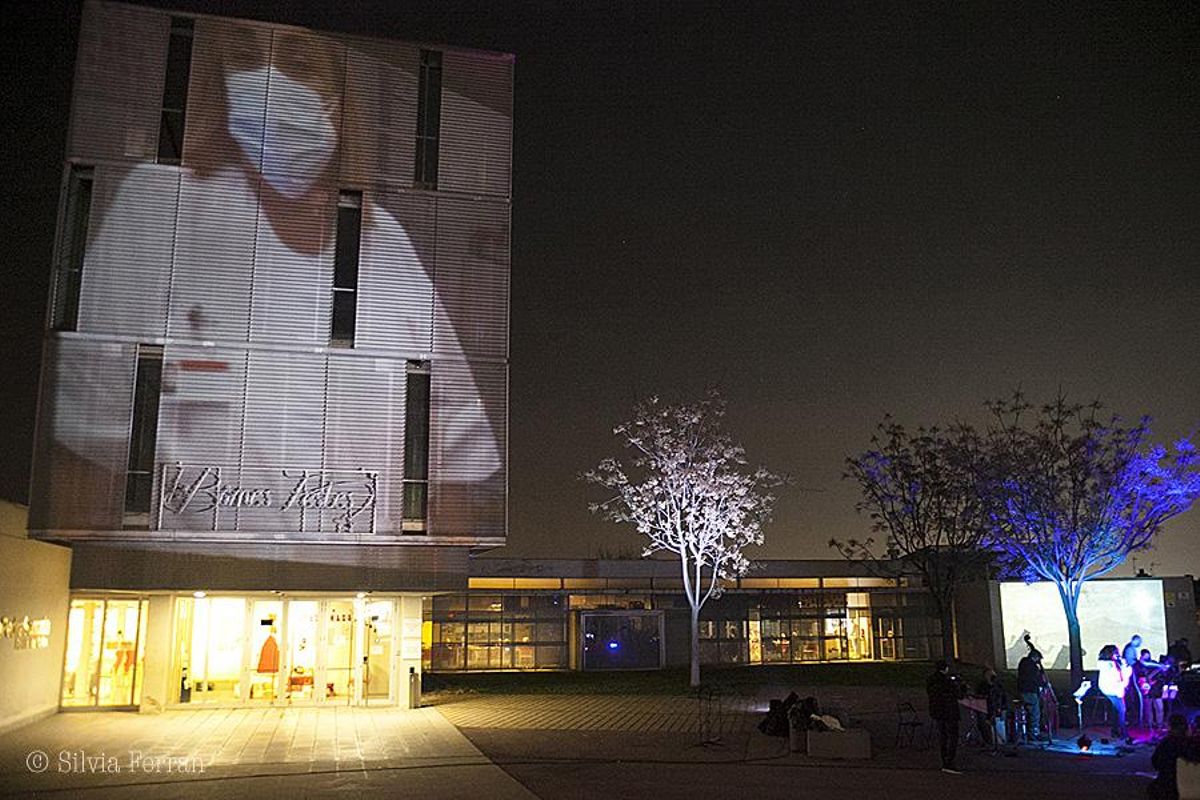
(1109, 613)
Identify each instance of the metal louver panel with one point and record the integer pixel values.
(214, 254)
(364, 430)
(127, 262)
(284, 425)
(225, 131)
(379, 113)
(471, 279)
(475, 153)
(268, 566)
(200, 428)
(395, 284)
(468, 449)
(285, 410)
(293, 273)
(303, 121)
(83, 436)
(117, 102)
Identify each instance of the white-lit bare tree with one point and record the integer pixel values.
(688, 489)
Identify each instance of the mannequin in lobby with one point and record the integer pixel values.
(268, 662)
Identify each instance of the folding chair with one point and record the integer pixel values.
(908, 722)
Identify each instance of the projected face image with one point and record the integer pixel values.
(1110, 612)
(302, 127)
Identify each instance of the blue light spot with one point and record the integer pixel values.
(613, 645)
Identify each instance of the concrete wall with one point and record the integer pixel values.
(977, 628)
(33, 583)
(1179, 604)
(407, 640)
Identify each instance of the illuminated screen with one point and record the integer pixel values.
(1110, 612)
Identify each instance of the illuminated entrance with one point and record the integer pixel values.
(106, 641)
(263, 651)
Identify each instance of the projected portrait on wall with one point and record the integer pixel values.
(291, 224)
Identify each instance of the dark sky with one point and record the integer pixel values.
(831, 211)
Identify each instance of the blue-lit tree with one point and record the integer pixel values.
(689, 491)
(1072, 495)
(920, 491)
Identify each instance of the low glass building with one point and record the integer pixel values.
(560, 614)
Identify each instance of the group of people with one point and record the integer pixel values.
(1132, 679)
(947, 696)
(1129, 677)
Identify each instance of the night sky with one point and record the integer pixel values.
(830, 211)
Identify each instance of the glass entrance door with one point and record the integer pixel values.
(377, 647)
(105, 644)
(339, 641)
(627, 640)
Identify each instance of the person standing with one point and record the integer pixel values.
(1175, 746)
(1113, 680)
(1132, 649)
(1029, 683)
(943, 690)
(993, 691)
(1133, 696)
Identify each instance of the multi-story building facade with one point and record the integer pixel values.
(274, 393)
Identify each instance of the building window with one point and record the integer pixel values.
(429, 118)
(493, 632)
(416, 446)
(69, 270)
(142, 436)
(345, 269)
(175, 90)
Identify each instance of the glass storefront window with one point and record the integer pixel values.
(233, 650)
(302, 650)
(212, 644)
(523, 632)
(266, 617)
(484, 604)
(104, 653)
(81, 672)
(447, 656)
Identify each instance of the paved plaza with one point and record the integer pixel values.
(515, 746)
(642, 713)
(269, 752)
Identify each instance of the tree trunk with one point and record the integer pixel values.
(947, 619)
(1074, 640)
(944, 609)
(695, 675)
